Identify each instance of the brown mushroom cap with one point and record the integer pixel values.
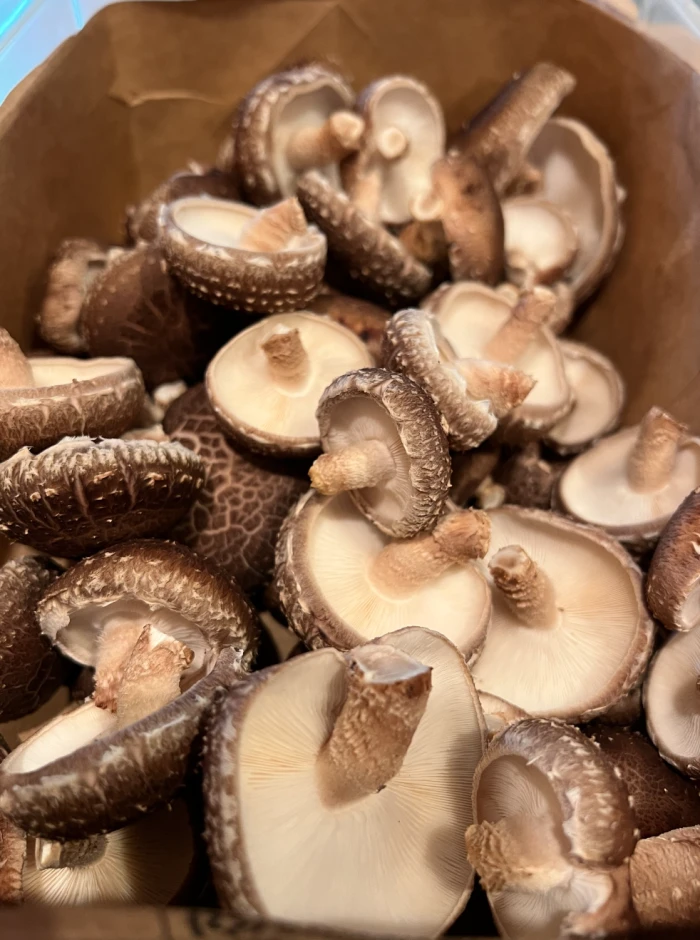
(471, 394)
(599, 394)
(94, 397)
(385, 446)
(244, 499)
(540, 241)
(391, 861)
(528, 479)
(569, 632)
(342, 582)
(264, 385)
(205, 245)
(80, 495)
(673, 581)
(370, 254)
(73, 268)
(365, 319)
(553, 830)
(30, 671)
(631, 482)
(270, 119)
(665, 880)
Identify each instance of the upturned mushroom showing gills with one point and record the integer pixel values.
(342, 582)
(552, 835)
(294, 121)
(313, 822)
(371, 255)
(80, 495)
(673, 581)
(471, 394)
(45, 398)
(664, 879)
(264, 385)
(385, 446)
(632, 482)
(540, 241)
(569, 632)
(165, 631)
(258, 261)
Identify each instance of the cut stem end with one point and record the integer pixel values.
(533, 310)
(653, 456)
(524, 586)
(286, 356)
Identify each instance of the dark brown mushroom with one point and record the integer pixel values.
(366, 320)
(528, 479)
(673, 581)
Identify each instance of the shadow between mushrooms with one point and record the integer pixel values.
(376, 844)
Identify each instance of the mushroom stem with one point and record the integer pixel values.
(352, 468)
(152, 675)
(427, 206)
(504, 386)
(116, 644)
(286, 357)
(516, 850)
(326, 143)
(272, 229)
(391, 143)
(366, 192)
(525, 587)
(385, 699)
(653, 457)
(458, 538)
(49, 854)
(533, 310)
(15, 371)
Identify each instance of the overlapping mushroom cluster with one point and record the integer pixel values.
(325, 383)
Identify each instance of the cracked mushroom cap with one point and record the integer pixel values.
(578, 176)
(257, 261)
(481, 323)
(632, 482)
(290, 122)
(51, 397)
(599, 397)
(371, 255)
(342, 582)
(471, 394)
(244, 499)
(376, 845)
(384, 445)
(673, 581)
(569, 632)
(553, 831)
(672, 701)
(665, 880)
(541, 242)
(366, 320)
(30, 671)
(75, 265)
(265, 384)
(80, 495)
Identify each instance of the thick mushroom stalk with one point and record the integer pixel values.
(503, 386)
(387, 692)
(273, 229)
(457, 539)
(517, 850)
(354, 467)
(533, 310)
(391, 143)
(49, 854)
(329, 142)
(15, 371)
(653, 457)
(524, 586)
(286, 356)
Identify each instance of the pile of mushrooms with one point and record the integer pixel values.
(319, 536)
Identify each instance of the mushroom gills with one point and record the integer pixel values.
(540, 241)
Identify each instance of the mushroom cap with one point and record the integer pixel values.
(272, 416)
(402, 102)
(325, 590)
(142, 219)
(95, 397)
(373, 404)
(199, 238)
(76, 263)
(498, 713)
(366, 320)
(578, 176)
(78, 776)
(12, 853)
(80, 495)
(595, 489)
(673, 581)
(661, 798)
(392, 862)
(672, 701)
(244, 499)
(599, 397)
(370, 254)
(274, 110)
(528, 479)
(540, 240)
(135, 308)
(160, 583)
(664, 879)
(602, 640)
(30, 671)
